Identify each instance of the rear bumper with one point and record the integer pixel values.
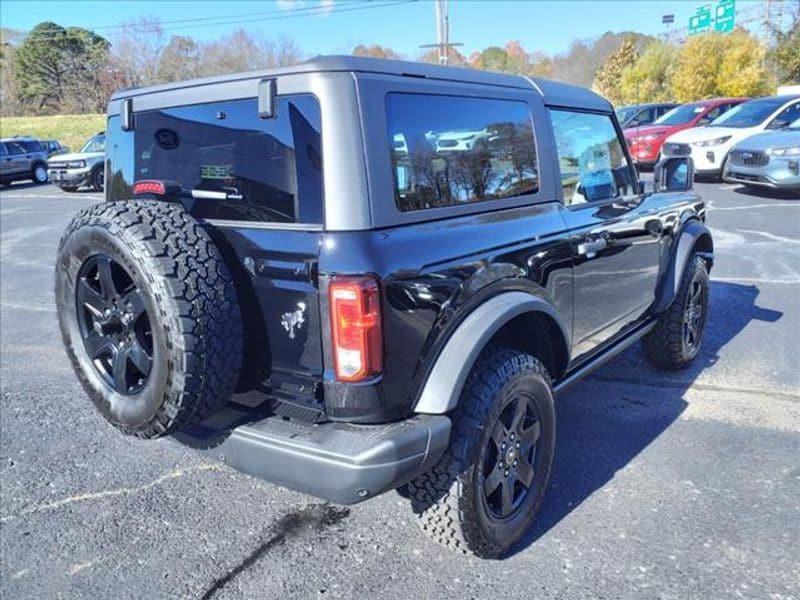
(340, 462)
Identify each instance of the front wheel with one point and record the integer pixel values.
(484, 493)
(97, 179)
(675, 340)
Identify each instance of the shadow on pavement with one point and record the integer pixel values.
(767, 193)
(17, 186)
(602, 429)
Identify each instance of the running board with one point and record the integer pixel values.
(603, 357)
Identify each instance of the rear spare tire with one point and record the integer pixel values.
(148, 314)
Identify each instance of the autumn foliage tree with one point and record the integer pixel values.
(648, 79)
(713, 64)
(608, 79)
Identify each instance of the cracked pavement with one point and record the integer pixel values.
(666, 485)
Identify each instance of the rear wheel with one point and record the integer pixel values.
(485, 492)
(39, 173)
(148, 315)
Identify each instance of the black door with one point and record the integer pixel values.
(615, 233)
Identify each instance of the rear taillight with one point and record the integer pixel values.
(356, 328)
(149, 186)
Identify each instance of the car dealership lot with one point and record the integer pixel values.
(665, 485)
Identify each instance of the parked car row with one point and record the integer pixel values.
(752, 142)
(27, 158)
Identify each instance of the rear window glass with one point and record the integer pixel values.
(449, 151)
(271, 167)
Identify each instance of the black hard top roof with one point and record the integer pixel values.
(553, 92)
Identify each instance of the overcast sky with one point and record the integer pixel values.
(335, 26)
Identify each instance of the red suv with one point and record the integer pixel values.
(645, 142)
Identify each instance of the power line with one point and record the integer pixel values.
(273, 16)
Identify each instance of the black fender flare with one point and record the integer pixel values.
(444, 383)
(692, 234)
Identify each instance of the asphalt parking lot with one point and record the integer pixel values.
(665, 485)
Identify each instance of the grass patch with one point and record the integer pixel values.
(71, 130)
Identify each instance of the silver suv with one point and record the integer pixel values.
(22, 158)
(71, 171)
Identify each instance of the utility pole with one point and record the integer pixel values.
(442, 14)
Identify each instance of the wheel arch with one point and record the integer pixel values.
(515, 319)
(693, 237)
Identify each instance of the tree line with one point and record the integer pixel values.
(53, 69)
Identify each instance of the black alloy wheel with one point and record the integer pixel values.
(509, 460)
(693, 317)
(114, 324)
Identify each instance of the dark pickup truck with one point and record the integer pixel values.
(356, 275)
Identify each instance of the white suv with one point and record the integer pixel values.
(709, 146)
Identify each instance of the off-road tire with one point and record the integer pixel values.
(191, 302)
(448, 499)
(96, 179)
(664, 346)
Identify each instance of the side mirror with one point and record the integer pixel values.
(675, 174)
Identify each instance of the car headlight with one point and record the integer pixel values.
(649, 137)
(789, 151)
(714, 142)
(76, 164)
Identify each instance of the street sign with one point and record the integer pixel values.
(667, 19)
(725, 14)
(719, 17)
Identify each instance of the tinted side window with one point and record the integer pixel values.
(15, 148)
(646, 116)
(450, 150)
(789, 114)
(3, 150)
(273, 165)
(31, 146)
(591, 158)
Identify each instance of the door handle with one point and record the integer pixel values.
(590, 248)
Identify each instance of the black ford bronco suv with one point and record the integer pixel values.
(356, 275)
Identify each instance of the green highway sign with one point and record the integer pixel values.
(725, 13)
(719, 17)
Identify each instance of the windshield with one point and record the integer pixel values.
(749, 114)
(95, 144)
(680, 115)
(795, 126)
(626, 112)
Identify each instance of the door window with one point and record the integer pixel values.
(645, 117)
(712, 114)
(787, 116)
(15, 148)
(450, 150)
(591, 158)
(3, 150)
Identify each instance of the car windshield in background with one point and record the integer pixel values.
(448, 151)
(95, 144)
(794, 126)
(749, 114)
(680, 115)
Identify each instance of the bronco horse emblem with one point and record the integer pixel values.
(293, 319)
